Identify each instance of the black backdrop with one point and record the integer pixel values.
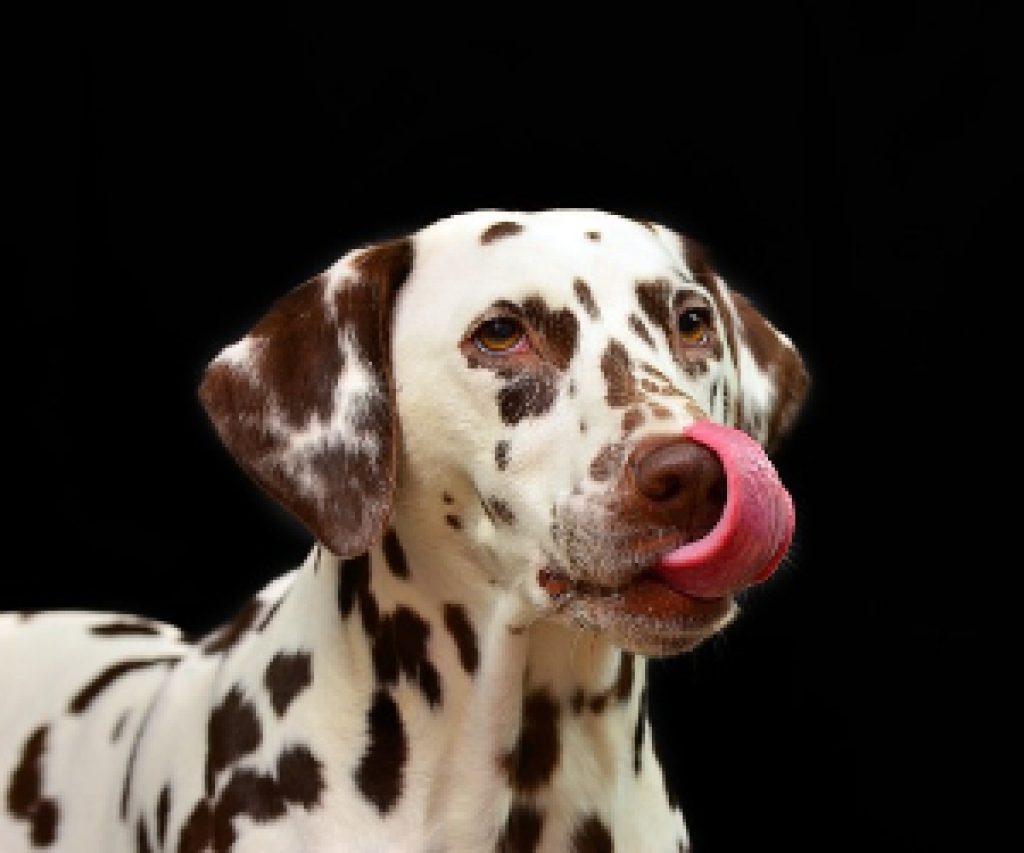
(853, 168)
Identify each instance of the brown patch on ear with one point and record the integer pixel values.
(779, 361)
(282, 380)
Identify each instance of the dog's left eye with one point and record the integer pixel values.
(694, 325)
(500, 334)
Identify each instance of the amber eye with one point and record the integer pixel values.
(694, 324)
(499, 334)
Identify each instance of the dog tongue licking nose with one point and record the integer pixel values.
(754, 531)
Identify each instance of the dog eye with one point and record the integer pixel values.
(694, 324)
(500, 334)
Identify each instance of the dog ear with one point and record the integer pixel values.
(306, 401)
(773, 382)
(773, 379)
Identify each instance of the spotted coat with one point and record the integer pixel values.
(459, 663)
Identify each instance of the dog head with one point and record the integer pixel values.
(557, 395)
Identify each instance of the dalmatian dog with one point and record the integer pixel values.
(530, 449)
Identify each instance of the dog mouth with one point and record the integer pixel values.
(644, 613)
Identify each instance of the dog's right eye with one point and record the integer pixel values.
(501, 335)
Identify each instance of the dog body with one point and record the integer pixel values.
(481, 425)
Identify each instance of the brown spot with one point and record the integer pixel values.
(649, 368)
(560, 329)
(501, 511)
(447, 498)
(125, 628)
(591, 836)
(228, 635)
(638, 733)
(649, 386)
(456, 620)
(527, 395)
(637, 325)
(263, 797)
(499, 230)
(381, 770)
(655, 299)
(618, 376)
(142, 844)
(583, 426)
(632, 420)
(532, 761)
(522, 830)
(300, 776)
(453, 521)
(163, 812)
(296, 361)
(623, 687)
(501, 455)
(594, 235)
(286, 676)
(401, 646)
(84, 697)
(248, 792)
(597, 702)
(25, 799)
(394, 555)
(197, 831)
(411, 633)
(659, 411)
(354, 586)
(233, 731)
(586, 298)
(608, 462)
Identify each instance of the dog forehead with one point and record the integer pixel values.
(485, 256)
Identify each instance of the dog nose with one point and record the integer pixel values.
(683, 483)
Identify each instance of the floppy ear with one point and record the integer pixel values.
(773, 381)
(306, 401)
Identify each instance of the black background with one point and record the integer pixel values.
(853, 168)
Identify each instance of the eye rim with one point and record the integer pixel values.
(516, 343)
(700, 335)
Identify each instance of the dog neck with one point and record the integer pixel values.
(479, 726)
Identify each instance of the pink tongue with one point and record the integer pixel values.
(755, 529)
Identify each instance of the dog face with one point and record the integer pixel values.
(520, 384)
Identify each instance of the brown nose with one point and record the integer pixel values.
(683, 483)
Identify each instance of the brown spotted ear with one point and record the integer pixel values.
(306, 401)
(773, 381)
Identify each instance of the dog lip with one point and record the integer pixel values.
(644, 594)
